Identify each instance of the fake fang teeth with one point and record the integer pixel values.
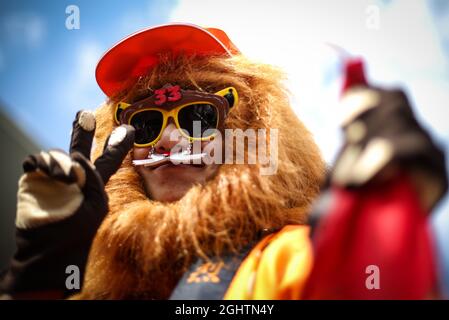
(178, 157)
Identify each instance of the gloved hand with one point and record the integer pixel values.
(61, 204)
(383, 138)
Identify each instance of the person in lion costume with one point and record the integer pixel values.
(203, 212)
(151, 243)
(138, 227)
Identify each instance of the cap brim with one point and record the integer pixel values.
(136, 54)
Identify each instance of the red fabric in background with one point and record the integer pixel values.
(383, 226)
(354, 74)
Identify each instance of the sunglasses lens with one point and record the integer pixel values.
(148, 125)
(202, 114)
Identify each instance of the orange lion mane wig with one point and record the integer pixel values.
(143, 247)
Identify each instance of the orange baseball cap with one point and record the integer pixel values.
(137, 53)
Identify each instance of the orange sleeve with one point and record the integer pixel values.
(277, 268)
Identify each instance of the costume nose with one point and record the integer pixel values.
(170, 137)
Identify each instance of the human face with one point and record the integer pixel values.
(165, 114)
(170, 182)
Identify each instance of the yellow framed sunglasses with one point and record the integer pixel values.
(194, 113)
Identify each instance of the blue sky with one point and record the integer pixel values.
(47, 71)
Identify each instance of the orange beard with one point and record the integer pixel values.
(143, 247)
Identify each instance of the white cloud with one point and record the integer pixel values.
(291, 34)
(24, 28)
(88, 56)
(153, 13)
(80, 88)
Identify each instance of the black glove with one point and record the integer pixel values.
(382, 136)
(61, 204)
(383, 139)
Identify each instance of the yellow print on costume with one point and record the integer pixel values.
(207, 272)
